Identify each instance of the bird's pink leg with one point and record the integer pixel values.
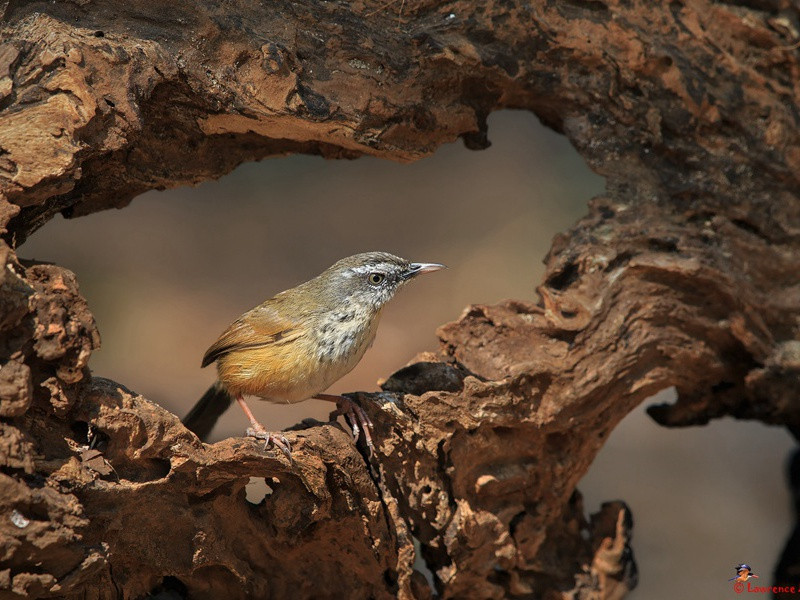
(258, 431)
(359, 421)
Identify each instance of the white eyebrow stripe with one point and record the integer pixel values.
(364, 269)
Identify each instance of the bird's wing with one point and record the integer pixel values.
(259, 327)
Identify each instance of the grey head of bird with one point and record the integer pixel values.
(368, 280)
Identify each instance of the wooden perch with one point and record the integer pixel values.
(684, 274)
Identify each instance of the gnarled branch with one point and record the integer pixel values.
(684, 274)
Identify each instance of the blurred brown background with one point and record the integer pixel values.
(165, 276)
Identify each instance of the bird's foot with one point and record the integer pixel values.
(359, 421)
(271, 439)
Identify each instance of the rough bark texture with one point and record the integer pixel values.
(685, 274)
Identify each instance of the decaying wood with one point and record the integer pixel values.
(684, 274)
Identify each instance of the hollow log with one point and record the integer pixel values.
(684, 274)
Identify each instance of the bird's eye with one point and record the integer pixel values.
(376, 278)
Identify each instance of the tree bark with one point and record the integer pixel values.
(684, 274)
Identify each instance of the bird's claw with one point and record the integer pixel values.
(271, 439)
(359, 421)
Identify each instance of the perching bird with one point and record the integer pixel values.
(743, 573)
(296, 344)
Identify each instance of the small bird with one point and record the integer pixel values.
(743, 573)
(296, 344)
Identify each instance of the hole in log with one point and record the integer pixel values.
(80, 432)
(141, 470)
(256, 490)
(564, 278)
(501, 208)
(724, 472)
(171, 588)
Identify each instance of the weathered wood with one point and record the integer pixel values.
(684, 274)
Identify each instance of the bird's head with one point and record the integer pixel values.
(371, 279)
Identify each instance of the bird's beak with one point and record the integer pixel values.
(415, 269)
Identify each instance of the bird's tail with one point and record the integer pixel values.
(204, 415)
